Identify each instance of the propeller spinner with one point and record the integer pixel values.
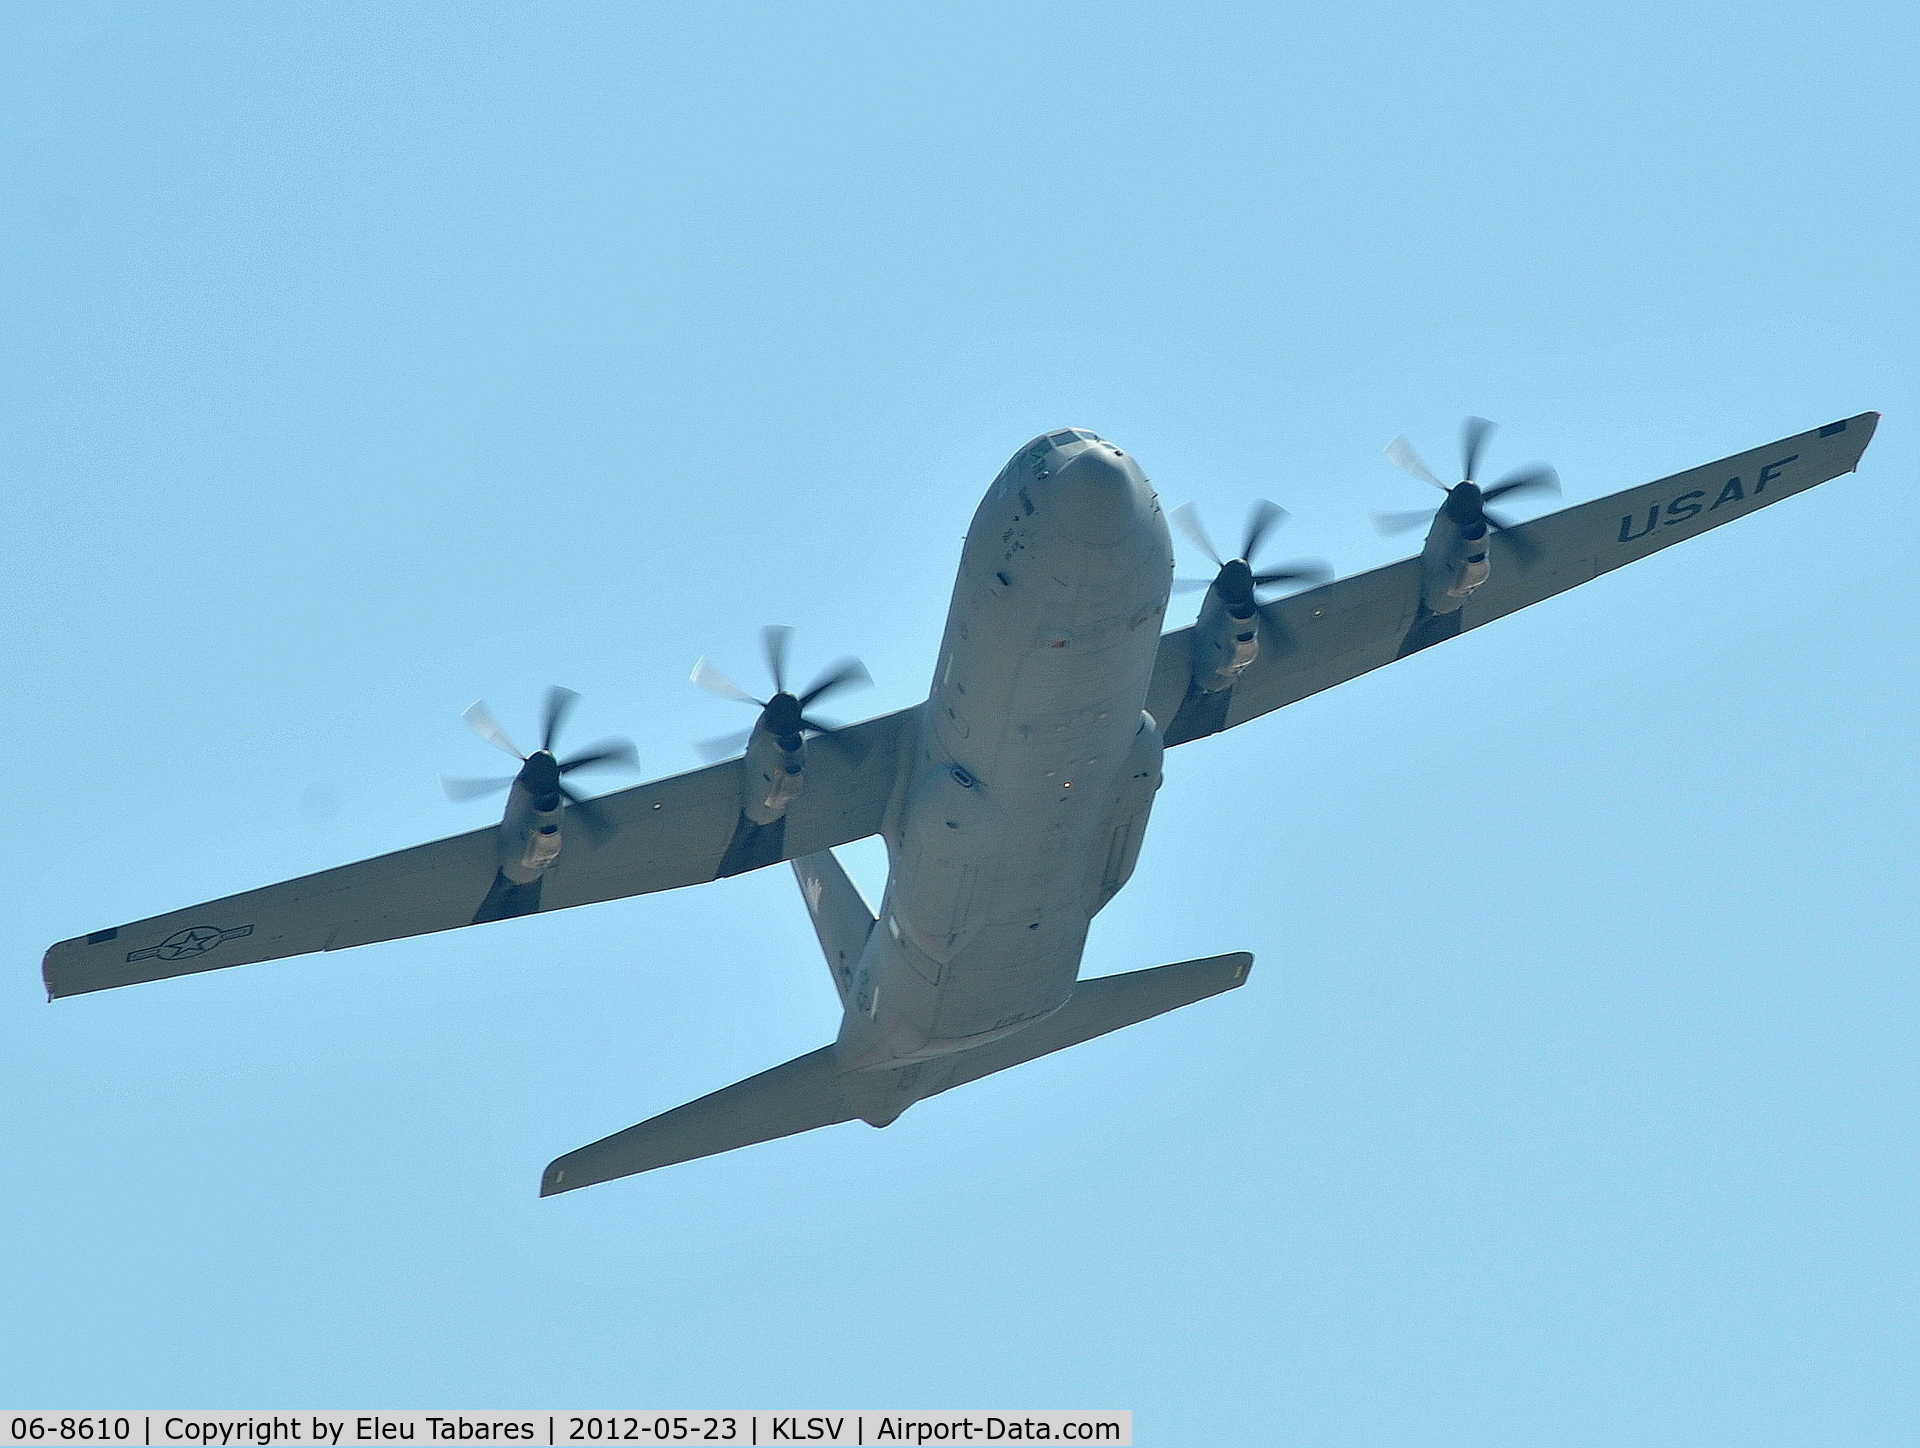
(1236, 581)
(784, 715)
(540, 772)
(1466, 504)
(1226, 636)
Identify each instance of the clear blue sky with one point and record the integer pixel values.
(363, 360)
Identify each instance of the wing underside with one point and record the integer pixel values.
(1349, 627)
(683, 830)
(688, 828)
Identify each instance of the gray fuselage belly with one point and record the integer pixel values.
(1018, 804)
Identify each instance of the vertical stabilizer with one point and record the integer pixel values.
(841, 918)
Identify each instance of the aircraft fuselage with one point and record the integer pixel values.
(1035, 766)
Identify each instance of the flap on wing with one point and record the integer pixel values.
(683, 830)
(1344, 629)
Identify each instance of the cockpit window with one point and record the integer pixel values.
(1061, 439)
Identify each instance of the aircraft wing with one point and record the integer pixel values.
(1345, 628)
(683, 830)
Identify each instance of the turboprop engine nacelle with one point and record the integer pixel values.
(1226, 636)
(776, 771)
(537, 795)
(1226, 639)
(1454, 562)
(530, 837)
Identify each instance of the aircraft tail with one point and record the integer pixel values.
(809, 1091)
(1097, 1006)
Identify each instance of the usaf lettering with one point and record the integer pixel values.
(1687, 505)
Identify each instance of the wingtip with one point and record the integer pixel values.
(46, 970)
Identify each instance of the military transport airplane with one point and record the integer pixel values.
(1012, 801)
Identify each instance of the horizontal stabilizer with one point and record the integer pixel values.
(1097, 1006)
(797, 1096)
(808, 1091)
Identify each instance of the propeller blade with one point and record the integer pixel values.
(1309, 570)
(724, 747)
(1191, 585)
(849, 744)
(599, 828)
(1188, 521)
(774, 641)
(715, 682)
(613, 751)
(847, 674)
(1275, 637)
(463, 789)
(559, 704)
(1474, 433)
(1525, 551)
(1259, 523)
(1526, 480)
(1401, 455)
(482, 723)
(1400, 522)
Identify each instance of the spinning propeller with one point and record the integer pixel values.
(785, 714)
(540, 771)
(1466, 504)
(1236, 579)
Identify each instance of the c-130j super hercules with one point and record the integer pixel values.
(1012, 801)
